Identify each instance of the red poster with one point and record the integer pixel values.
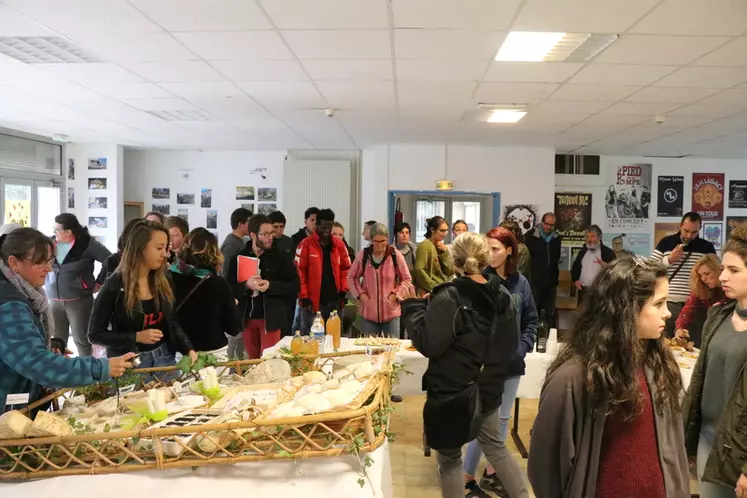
(708, 195)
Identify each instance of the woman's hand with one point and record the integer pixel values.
(192, 356)
(392, 298)
(440, 245)
(741, 490)
(363, 298)
(408, 292)
(120, 364)
(149, 336)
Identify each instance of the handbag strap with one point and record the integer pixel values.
(194, 289)
(677, 270)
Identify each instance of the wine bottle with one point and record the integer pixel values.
(543, 332)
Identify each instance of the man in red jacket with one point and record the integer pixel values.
(323, 264)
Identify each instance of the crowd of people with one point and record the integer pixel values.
(611, 420)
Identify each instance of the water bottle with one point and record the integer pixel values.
(542, 333)
(317, 331)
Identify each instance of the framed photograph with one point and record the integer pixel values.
(267, 208)
(211, 220)
(97, 184)
(250, 207)
(71, 198)
(161, 193)
(206, 197)
(97, 164)
(71, 169)
(244, 193)
(267, 195)
(185, 198)
(98, 221)
(97, 203)
(164, 209)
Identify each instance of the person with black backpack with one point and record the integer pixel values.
(378, 276)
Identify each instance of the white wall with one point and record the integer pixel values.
(221, 171)
(597, 185)
(523, 175)
(114, 211)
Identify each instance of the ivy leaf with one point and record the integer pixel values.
(135, 440)
(107, 427)
(361, 482)
(368, 462)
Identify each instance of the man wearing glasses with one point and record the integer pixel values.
(544, 246)
(267, 299)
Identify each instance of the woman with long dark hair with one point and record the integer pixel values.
(71, 283)
(205, 306)
(26, 326)
(467, 330)
(112, 262)
(609, 422)
(137, 302)
(433, 262)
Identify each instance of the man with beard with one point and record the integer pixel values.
(265, 300)
(590, 260)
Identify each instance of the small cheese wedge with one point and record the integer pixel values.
(47, 424)
(14, 425)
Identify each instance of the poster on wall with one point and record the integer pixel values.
(267, 195)
(98, 221)
(183, 213)
(661, 230)
(733, 222)
(708, 195)
(185, 198)
(164, 209)
(573, 216)
(161, 193)
(206, 197)
(97, 163)
(266, 209)
(628, 196)
(71, 198)
(714, 233)
(211, 219)
(526, 215)
(71, 169)
(671, 196)
(97, 203)
(738, 194)
(244, 193)
(628, 244)
(97, 184)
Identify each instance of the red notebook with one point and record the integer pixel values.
(246, 268)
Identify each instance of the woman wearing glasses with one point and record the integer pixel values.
(26, 361)
(433, 262)
(377, 278)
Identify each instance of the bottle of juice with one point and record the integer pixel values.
(296, 343)
(317, 331)
(334, 329)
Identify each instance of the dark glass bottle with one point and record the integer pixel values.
(543, 332)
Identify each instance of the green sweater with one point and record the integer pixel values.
(432, 267)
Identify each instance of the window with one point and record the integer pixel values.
(425, 210)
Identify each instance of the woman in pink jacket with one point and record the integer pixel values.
(378, 275)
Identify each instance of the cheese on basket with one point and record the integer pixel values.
(314, 376)
(14, 425)
(47, 424)
(269, 372)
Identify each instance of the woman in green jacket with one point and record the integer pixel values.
(715, 424)
(433, 263)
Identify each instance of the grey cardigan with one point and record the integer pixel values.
(567, 440)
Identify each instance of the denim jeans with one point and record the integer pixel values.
(235, 347)
(307, 317)
(474, 451)
(707, 489)
(387, 329)
(162, 356)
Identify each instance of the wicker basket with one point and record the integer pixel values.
(324, 434)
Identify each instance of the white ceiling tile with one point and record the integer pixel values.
(447, 44)
(327, 14)
(731, 97)
(284, 94)
(119, 90)
(170, 104)
(571, 106)
(339, 44)
(695, 17)
(705, 77)
(358, 95)
(164, 72)
(52, 89)
(671, 95)
(464, 14)
(663, 50)
(643, 109)
(204, 89)
(236, 45)
(14, 24)
(532, 72)
(598, 93)
(435, 112)
(707, 111)
(731, 54)
(439, 70)
(81, 16)
(609, 74)
(518, 93)
(581, 16)
(417, 93)
(349, 69)
(199, 15)
(261, 70)
(135, 47)
(98, 71)
(548, 123)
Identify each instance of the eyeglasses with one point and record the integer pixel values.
(379, 242)
(43, 264)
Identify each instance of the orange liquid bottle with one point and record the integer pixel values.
(296, 343)
(334, 329)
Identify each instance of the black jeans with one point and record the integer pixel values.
(307, 317)
(544, 299)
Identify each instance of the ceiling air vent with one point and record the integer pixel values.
(45, 50)
(567, 164)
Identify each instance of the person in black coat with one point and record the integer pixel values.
(309, 226)
(467, 329)
(544, 246)
(594, 256)
(265, 300)
(205, 305)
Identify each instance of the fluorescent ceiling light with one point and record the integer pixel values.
(529, 46)
(45, 50)
(506, 116)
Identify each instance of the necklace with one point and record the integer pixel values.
(741, 313)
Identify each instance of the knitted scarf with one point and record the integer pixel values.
(37, 299)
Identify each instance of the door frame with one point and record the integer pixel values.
(392, 201)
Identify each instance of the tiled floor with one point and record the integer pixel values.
(414, 475)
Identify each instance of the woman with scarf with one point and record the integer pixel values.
(205, 305)
(26, 326)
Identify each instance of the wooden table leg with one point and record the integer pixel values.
(515, 432)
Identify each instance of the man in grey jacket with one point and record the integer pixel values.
(231, 247)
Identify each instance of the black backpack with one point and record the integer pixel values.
(368, 252)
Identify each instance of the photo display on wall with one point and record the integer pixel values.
(244, 193)
(733, 222)
(183, 213)
(628, 196)
(97, 184)
(738, 194)
(71, 169)
(267, 195)
(211, 219)
(71, 197)
(185, 198)
(714, 233)
(97, 203)
(206, 198)
(708, 195)
(671, 196)
(164, 209)
(573, 216)
(266, 209)
(628, 244)
(97, 163)
(161, 193)
(249, 207)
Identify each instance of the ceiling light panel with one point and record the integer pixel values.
(530, 46)
(45, 50)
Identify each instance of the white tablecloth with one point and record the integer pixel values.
(332, 477)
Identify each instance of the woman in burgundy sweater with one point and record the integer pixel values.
(609, 421)
(706, 291)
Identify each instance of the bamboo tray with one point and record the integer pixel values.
(320, 435)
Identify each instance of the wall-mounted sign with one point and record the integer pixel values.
(445, 185)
